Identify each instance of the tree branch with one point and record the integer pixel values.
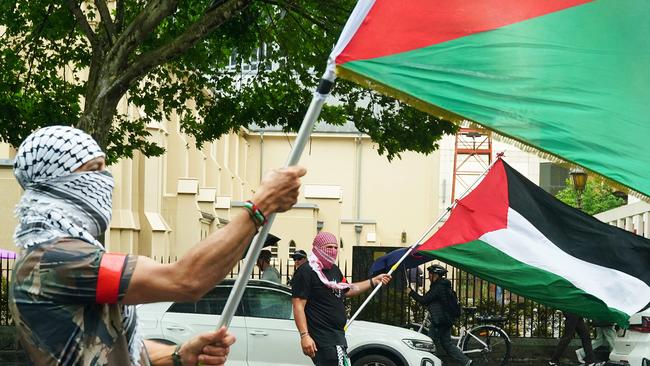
(140, 28)
(83, 22)
(193, 34)
(298, 10)
(119, 16)
(107, 21)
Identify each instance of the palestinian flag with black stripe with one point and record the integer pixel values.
(511, 232)
(567, 79)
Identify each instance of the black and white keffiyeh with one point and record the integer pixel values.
(58, 203)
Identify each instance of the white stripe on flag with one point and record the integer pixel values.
(523, 242)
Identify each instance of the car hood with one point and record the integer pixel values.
(366, 332)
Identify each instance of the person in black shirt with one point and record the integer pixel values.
(441, 320)
(318, 291)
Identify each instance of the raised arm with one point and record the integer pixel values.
(211, 259)
(363, 286)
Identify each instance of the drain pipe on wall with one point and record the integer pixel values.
(261, 155)
(358, 193)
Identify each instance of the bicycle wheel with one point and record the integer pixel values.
(487, 345)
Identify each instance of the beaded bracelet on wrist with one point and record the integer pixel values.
(255, 213)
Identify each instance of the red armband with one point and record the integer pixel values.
(108, 279)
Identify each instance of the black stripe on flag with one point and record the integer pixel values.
(577, 233)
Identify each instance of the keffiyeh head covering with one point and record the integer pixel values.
(57, 203)
(322, 257)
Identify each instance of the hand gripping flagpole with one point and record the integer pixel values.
(321, 93)
(418, 242)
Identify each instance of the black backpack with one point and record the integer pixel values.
(452, 306)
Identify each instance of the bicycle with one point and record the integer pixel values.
(484, 344)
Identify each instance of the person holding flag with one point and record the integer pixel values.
(441, 320)
(72, 301)
(318, 292)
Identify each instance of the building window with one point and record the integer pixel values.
(254, 63)
(552, 177)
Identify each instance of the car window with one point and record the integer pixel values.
(267, 303)
(212, 303)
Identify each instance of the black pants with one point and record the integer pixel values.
(332, 356)
(573, 324)
(441, 336)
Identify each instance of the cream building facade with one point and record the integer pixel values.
(164, 205)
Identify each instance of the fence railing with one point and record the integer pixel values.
(6, 266)
(392, 305)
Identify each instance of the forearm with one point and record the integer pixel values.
(159, 354)
(210, 261)
(359, 288)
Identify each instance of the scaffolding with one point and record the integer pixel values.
(472, 156)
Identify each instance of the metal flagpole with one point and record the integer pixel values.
(321, 93)
(418, 242)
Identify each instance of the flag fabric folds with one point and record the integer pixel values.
(567, 78)
(512, 233)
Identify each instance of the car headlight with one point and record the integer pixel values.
(420, 345)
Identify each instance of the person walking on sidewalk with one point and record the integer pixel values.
(605, 336)
(574, 324)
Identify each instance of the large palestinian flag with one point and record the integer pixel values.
(569, 78)
(511, 232)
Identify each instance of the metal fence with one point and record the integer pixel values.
(392, 305)
(6, 266)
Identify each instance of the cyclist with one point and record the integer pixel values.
(441, 321)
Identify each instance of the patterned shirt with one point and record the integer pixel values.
(61, 316)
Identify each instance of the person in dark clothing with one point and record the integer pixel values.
(318, 289)
(573, 324)
(441, 321)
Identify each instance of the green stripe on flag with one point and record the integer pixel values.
(483, 260)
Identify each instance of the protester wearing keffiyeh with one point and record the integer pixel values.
(318, 291)
(60, 216)
(67, 293)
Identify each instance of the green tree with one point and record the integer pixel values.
(597, 197)
(72, 62)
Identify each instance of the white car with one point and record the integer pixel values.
(266, 333)
(632, 346)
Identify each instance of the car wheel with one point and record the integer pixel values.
(374, 360)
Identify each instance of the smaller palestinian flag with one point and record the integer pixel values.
(511, 232)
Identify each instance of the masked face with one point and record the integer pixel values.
(326, 254)
(95, 189)
(325, 248)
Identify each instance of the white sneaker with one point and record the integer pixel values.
(579, 355)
